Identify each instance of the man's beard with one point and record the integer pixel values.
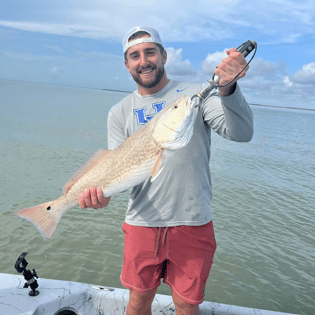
(155, 82)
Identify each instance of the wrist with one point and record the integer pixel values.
(228, 90)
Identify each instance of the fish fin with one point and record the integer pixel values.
(153, 178)
(44, 217)
(158, 166)
(90, 163)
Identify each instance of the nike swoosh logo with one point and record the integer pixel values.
(181, 90)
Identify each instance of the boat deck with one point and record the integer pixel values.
(73, 298)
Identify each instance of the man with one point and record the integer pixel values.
(168, 227)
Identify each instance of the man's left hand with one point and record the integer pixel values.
(230, 68)
(92, 197)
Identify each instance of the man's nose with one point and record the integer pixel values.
(143, 60)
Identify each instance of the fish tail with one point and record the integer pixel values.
(45, 217)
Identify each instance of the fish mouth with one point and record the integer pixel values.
(168, 127)
(181, 130)
(187, 122)
(181, 135)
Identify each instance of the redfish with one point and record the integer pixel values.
(139, 157)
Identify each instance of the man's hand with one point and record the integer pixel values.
(228, 69)
(93, 198)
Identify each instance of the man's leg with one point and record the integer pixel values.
(185, 273)
(140, 303)
(183, 308)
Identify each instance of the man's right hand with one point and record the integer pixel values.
(92, 197)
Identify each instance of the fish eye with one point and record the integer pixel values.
(175, 106)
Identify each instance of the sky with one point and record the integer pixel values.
(78, 43)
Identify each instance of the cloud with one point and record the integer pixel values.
(266, 82)
(176, 67)
(306, 76)
(70, 70)
(201, 22)
(257, 68)
(8, 33)
(24, 56)
(265, 68)
(54, 48)
(287, 81)
(99, 56)
(274, 88)
(55, 70)
(212, 60)
(75, 30)
(193, 21)
(290, 39)
(262, 74)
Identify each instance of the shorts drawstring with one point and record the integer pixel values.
(158, 240)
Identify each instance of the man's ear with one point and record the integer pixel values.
(127, 65)
(164, 55)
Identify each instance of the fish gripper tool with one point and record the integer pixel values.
(245, 49)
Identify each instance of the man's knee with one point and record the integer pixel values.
(141, 301)
(184, 307)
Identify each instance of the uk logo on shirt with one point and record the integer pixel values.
(141, 113)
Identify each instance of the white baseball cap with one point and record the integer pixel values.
(155, 37)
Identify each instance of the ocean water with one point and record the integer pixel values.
(263, 198)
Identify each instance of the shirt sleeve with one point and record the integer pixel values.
(229, 116)
(115, 134)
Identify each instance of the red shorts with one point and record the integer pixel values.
(182, 255)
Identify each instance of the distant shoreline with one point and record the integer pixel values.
(287, 107)
(68, 86)
(122, 91)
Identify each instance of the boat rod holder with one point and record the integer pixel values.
(30, 277)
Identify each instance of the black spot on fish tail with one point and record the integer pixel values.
(48, 208)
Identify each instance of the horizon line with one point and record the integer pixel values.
(122, 91)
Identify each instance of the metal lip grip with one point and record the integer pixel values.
(245, 49)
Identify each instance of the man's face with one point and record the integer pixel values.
(146, 64)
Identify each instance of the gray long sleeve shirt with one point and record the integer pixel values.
(181, 195)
